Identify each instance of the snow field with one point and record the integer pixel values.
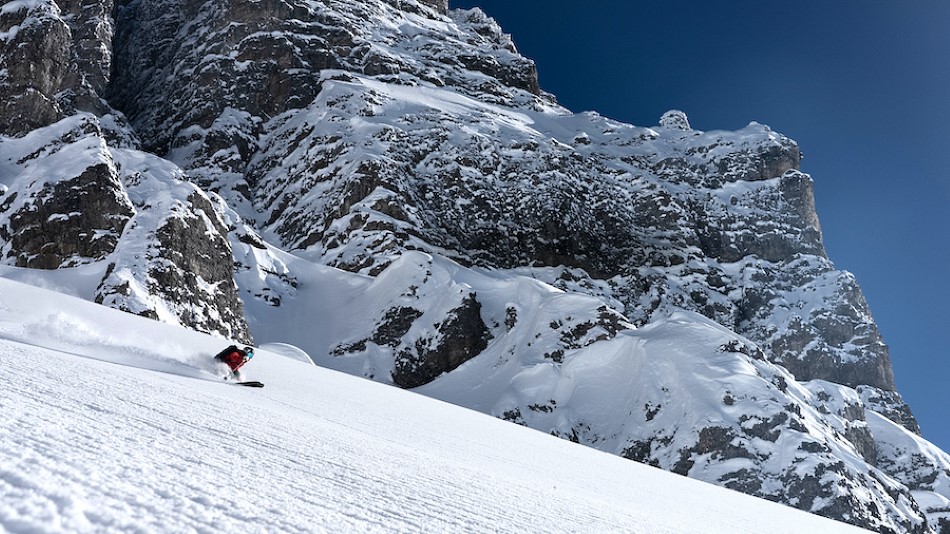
(89, 445)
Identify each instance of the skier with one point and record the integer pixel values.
(235, 358)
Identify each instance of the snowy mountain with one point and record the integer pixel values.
(384, 185)
(114, 423)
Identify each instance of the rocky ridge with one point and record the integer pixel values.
(508, 246)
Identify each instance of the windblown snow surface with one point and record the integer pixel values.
(111, 422)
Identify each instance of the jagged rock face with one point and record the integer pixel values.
(91, 28)
(55, 60)
(675, 119)
(174, 261)
(678, 219)
(161, 241)
(441, 6)
(923, 468)
(726, 235)
(33, 66)
(461, 336)
(70, 221)
(171, 56)
(58, 218)
(832, 338)
(65, 200)
(890, 405)
(200, 256)
(421, 348)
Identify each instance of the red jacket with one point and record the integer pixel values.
(232, 356)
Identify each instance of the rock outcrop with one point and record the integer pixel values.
(33, 67)
(66, 206)
(55, 60)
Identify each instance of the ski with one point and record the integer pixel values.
(250, 384)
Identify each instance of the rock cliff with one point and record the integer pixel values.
(657, 292)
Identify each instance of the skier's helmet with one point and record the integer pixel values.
(249, 351)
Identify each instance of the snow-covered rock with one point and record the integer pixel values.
(55, 60)
(71, 199)
(64, 204)
(174, 262)
(675, 119)
(33, 65)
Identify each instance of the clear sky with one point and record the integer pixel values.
(862, 85)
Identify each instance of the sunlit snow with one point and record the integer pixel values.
(113, 422)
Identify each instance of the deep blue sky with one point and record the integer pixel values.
(862, 85)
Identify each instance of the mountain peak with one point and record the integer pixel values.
(675, 119)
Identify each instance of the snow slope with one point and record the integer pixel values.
(112, 422)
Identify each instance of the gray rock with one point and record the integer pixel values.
(890, 404)
(177, 266)
(200, 259)
(70, 222)
(55, 60)
(459, 338)
(34, 62)
(440, 6)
